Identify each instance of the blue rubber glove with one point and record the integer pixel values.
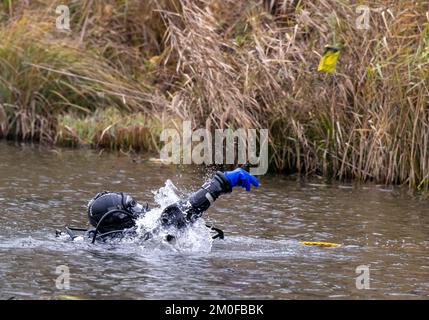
(241, 177)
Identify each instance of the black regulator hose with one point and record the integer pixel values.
(108, 213)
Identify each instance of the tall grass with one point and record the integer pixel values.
(42, 78)
(110, 129)
(367, 121)
(225, 63)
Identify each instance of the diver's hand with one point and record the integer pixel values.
(241, 177)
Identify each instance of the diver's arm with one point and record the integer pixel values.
(222, 182)
(190, 209)
(202, 199)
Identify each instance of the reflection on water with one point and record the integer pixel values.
(41, 190)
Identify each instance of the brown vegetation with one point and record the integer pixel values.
(232, 63)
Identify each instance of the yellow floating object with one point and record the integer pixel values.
(329, 59)
(320, 244)
(68, 297)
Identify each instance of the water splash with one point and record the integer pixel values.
(166, 195)
(195, 238)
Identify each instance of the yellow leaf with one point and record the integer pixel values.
(155, 60)
(329, 60)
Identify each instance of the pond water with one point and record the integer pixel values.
(41, 190)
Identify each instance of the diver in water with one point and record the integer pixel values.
(114, 214)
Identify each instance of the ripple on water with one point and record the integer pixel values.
(260, 257)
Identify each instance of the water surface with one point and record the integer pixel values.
(261, 258)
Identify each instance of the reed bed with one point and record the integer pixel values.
(229, 64)
(110, 129)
